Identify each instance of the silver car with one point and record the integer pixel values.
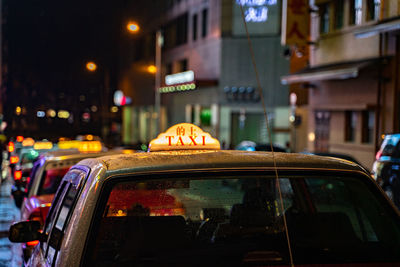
(199, 206)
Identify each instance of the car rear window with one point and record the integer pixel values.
(231, 221)
(52, 179)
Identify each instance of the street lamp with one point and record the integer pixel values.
(91, 66)
(132, 27)
(152, 69)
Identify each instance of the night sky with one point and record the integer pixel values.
(46, 45)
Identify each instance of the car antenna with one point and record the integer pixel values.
(260, 92)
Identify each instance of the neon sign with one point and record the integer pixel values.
(256, 10)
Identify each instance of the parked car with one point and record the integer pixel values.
(187, 203)
(46, 176)
(252, 146)
(386, 168)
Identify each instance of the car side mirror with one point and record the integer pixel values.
(25, 231)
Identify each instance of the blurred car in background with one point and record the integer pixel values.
(386, 167)
(46, 176)
(252, 146)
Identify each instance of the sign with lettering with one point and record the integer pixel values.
(295, 22)
(256, 10)
(184, 136)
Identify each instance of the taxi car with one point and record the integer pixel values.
(45, 178)
(188, 203)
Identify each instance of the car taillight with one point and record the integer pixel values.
(378, 154)
(32, 243)
(14, 159)
(17, 175)
(11, 147)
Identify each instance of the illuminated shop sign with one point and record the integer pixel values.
(178, 88)
(256, 10)
(178, 78)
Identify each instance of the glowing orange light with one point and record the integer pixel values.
(152, 69)
(184, 136)
(14, 159)
(20, 138)
(11, 147)
(132, 27)
(17, 175)
(91, 66)
(90, 146)
(28, 142)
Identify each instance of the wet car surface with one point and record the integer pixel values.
(217, 208)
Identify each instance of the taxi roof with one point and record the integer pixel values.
(74, 154)
(216, 159)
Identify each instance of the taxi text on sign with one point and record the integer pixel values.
(184, 136)
(296, 17)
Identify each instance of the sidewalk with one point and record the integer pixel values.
(10, 254)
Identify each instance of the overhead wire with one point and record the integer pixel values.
(260, 92)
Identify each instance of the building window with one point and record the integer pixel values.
(169, 68)
(322, 129)
(368, 124)
(373, 9)
(350, 127)
(355, 12)
(204, 22)
(194, 27)
(339, 14)
(324, 18)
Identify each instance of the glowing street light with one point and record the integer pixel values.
(91, 66)
(132, 27)
(152, 69)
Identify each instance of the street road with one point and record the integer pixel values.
(10, 254)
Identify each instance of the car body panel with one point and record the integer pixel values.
(105, 169)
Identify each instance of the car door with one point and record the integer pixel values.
(59, 215)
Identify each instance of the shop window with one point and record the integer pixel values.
(355, 12)
(194, 27)
(350, 127)
(204, 21)
(339, 14)
(373, 9)
(324, 18)
(368, 124)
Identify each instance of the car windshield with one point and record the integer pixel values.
(237, 220)
(390, 146)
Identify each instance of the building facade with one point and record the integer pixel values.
(353, 76)
(208, 39)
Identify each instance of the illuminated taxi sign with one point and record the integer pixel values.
(68, 144)
(43, 145)
(28, 142)
(184, 136)
(90, 146)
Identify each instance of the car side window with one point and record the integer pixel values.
(54, 207)
(62, 211)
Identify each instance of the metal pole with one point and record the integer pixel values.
(159, 43)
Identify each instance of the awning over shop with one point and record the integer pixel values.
(341, 107)
(380, 27)
(337, 71)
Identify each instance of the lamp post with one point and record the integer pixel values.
(159, 44)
